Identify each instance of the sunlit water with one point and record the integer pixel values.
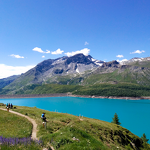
(133, 114)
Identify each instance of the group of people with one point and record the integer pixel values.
(8, 105)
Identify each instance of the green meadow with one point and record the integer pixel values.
(69, 132)
(12, 125)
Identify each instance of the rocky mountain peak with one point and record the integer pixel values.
(111, 64)
(78, 58)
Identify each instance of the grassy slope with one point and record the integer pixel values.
(12, 125)
(125, 76)
(141, 64)
(128, 75)
(20, 82)
(121, 89)
(103, 89)
(48, 89)
(92, 134)
(6, 81)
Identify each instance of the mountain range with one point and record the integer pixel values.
(81, 70)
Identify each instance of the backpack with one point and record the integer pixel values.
(42, 116)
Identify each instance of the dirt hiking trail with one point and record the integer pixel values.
(34, 129)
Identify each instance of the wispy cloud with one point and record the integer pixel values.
(37, 49)
(119, 56)
(43, 56)
(58, 51)
(7, 71)
(47, 51)
(137, 52)
(16, 56)
(84, 51)
(86, 43)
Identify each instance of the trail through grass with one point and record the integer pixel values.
(12, 125)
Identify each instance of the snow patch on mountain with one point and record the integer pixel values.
(77, 70)
(97, 62)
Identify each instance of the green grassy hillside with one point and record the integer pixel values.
(12, 125)
(68, 132)
(6, 81)
(120, 89)
(144, 63)
(127, 75)
(103, 89)
(16, 130)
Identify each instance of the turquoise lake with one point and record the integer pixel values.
(133, 114)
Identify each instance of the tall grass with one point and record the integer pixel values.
(19, 143)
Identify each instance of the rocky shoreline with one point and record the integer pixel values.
(111, 97)
(33, 95)
(70, 95)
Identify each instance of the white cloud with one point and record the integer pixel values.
(120, 56)
(7, 71)
(137, 52)
(84, 51)
(43, 56)
(37, 49)
(86, 43)
(58, 51)
(16, 56)
(47, 51)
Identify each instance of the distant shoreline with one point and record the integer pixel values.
(70, 95)
(33, 95)
(112, 97)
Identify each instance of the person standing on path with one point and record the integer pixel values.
(44, 120)
(11, 106)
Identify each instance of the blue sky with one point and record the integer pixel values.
(34, 30)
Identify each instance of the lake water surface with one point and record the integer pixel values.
(133, 114)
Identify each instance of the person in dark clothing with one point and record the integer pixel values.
(11, 106)
(43, 117)
(44, 120)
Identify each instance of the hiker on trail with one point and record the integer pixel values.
(7, 106)
(44, 120)
(43, 117)
(11, 106)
